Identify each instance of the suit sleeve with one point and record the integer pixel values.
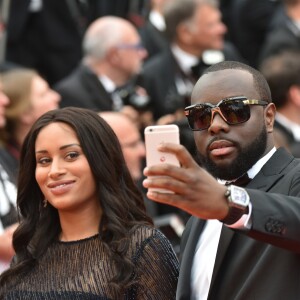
(276, 216)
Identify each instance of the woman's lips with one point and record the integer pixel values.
(221, 148)
(59, 188)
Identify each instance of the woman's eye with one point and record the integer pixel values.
(43, 160)
(72, 155)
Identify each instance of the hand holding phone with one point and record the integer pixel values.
(154, 136)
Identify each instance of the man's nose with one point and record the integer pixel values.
(143, 53)
(217, 122)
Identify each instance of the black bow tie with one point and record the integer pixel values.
(241, 181)
(197, 70)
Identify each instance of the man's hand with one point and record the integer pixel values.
(195, 190)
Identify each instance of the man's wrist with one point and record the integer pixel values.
(238, 201)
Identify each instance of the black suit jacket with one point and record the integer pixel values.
(159, 79)
(285, 35)
(263, 263)
(153, 40)
(49, 40)
(294, 145)
(83, 89)
(248, 23)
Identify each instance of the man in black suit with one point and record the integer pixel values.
(113, 56)
(248, 23)
(285, 30)
(196, 36)
(153, 31)
(46, 34)
(282, 72)
(242, 242)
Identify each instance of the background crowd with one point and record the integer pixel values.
(135, 62)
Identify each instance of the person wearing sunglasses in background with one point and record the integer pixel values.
(243, 240)
(107, 76)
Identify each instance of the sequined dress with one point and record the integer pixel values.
(82, 269)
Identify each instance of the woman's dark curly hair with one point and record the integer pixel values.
(121, 201)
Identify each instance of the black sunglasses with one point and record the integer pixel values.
(235, 110)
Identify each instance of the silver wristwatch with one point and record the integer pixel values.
(238, 201)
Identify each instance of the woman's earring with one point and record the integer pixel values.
(45, 202)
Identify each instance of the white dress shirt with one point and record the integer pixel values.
(157, 20)
(35, 5)
(110, 87)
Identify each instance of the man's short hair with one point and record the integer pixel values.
(179, 11)
(281, 72)
(260, 83)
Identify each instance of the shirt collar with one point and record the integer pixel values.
(260, 163)
(157, 20)
(107, 83)
(185, 60)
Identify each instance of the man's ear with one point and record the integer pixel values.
(113, 56)
(184, 34)
(270, 112)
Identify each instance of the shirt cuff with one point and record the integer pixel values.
(245, 222)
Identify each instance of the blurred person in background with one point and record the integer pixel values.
(153, 32)
(134, 154)
(196, 35)
(46, 35)
(130, 139)
(8, 194)
(105, 80)
(30, 96)
(282, 72)
(248, 23)
(285, 30)
(133, 148)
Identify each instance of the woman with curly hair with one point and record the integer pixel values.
(83, 232)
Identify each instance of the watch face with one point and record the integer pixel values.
(239, 196)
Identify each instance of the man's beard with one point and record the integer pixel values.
(246, 159)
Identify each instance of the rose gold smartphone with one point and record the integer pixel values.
(155, 135)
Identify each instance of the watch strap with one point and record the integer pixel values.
(234, 213)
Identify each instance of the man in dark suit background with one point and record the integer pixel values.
(242, 242)
(46, 34)
(282, 72)
(113, 57)
(153, 31)
(285, 30)
(196, 35)
(248, 23)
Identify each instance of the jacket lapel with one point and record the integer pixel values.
(271, 172)
(99, 97)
